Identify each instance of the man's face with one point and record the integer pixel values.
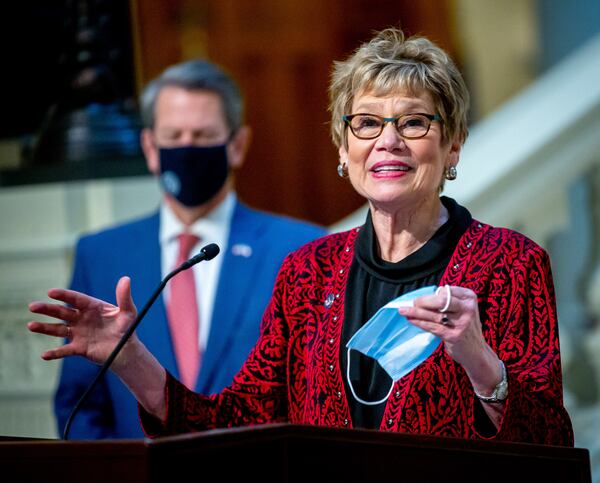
(183, 118)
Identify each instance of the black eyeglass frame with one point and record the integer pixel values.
(347, 118)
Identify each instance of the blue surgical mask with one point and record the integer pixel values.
(393, 341)
(193, 174)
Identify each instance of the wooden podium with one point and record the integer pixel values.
(291, 453)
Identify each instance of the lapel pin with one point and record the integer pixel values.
(241, 250)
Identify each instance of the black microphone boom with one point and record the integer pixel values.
(208, 252)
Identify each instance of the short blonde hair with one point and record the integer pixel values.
(389, 63)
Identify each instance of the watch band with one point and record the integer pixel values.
(500, 391)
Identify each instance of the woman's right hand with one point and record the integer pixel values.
(93, 327)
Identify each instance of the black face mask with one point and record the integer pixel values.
(193, 174)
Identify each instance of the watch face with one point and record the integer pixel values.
(502, 391)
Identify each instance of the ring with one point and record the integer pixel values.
(69, 332)
(448, 300)
(445, 320)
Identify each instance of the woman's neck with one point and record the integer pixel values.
(403, 231)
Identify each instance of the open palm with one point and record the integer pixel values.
(93, 327)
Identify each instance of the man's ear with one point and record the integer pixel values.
(150, 151)
(238, 147)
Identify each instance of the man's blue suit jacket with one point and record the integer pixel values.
(245, 286)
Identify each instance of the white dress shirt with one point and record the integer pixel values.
(212, 228)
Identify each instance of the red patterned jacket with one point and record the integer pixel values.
(293, 373)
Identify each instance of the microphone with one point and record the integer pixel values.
(208, 252)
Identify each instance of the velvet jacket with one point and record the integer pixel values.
(293, 373)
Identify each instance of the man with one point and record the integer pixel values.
(207, 320)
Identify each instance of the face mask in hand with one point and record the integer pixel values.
(393, 341)
(193, 174)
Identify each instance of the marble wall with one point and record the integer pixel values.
(40, 225)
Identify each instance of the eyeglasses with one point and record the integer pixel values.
(409, 126)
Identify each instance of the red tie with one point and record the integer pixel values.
(182, 312)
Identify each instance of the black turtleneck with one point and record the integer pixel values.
(373, 282)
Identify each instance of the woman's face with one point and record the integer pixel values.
(392, 172)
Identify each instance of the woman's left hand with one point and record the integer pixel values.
(452, 314)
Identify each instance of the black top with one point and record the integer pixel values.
(373, 282)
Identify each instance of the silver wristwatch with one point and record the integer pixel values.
(500, 391)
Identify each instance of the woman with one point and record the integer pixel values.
(399, 118)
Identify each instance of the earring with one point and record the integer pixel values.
(451, 173)
(342, 170)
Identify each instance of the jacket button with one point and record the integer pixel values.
(331, 341)
(331, 368)
(334, 318)
(390, 421)
(397, 394)
(345, 422)
(339, 395)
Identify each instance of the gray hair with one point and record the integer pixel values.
(389, 62)
(195, 75)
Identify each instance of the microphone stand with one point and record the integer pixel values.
(207, 253)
